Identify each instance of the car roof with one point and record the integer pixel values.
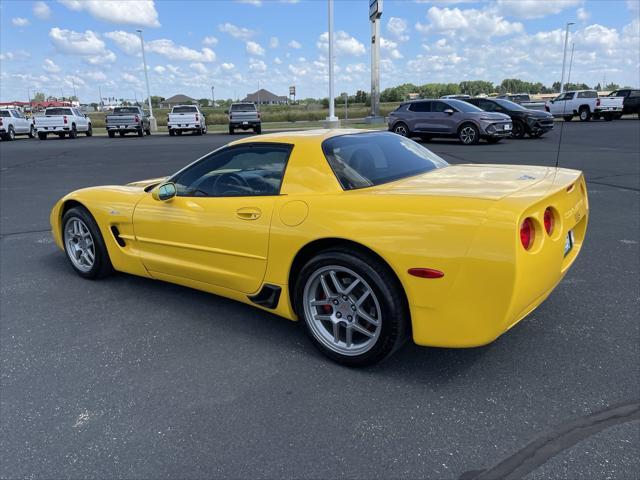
(293, 137)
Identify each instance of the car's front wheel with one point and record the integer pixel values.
(401, 129)
(518, 129)
(352, 306)
(84, 245)
(469, 134)
(32, 132)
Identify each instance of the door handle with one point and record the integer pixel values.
(248, 213)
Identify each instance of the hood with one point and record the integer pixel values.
(490, 182)
(537, 113)
(146, 183)
(490, 115)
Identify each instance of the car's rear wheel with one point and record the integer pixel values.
(74, 132)
(518, 129)
(84, 245)
(584, 114)
(89, 132)
(171, 133)
(42, 135)
(352, 306)
(258, 130)
(469, 134)
(141, 132)
(608, 117)
(111, 134)
(231, 131)
(121, 134)
(568, 118)
(178, 132)
(32, 131)
(401, 129)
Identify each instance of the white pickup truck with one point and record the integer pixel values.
(62, 121)
(186, 118)
(584, 104)
(13, 123)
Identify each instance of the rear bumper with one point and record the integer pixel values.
(54, 129)
(123, 128)
(245, 124)
(184, 126)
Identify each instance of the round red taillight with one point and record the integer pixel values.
(548, 221)
(527, 232)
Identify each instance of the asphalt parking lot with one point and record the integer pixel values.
(133, 378)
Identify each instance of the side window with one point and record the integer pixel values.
(246, 170)
(488, 106)
(634, 93)
(421, 107)
(587, 94)
(440, 107)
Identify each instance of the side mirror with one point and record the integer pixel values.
(448, 111)
(164, 192)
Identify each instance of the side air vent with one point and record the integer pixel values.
(116, 235)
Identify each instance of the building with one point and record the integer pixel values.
(265, 97)
(179, 99)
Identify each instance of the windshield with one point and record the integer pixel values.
(126, 110)
(463, 106)
(184, 110)
(366, 159)
(4, 113)
(509, 105)
(243, 107)
(58, 111)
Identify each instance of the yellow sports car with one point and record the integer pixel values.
(368, 237)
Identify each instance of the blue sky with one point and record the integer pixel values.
(234, 45)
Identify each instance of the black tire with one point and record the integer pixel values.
(178, 132)
(231, 131)
(42, 136)
(102, 264)
(73, 133)
(466, 136)
(608, 117)
(536, 134)
(111, 134)
(141, 132)
(171, 133)
(258, 130)
(148, 131)
(596, 116)
(11, 134)
(493, 140)
(204, 130)
(584, 114)
(122, 134)
(32, 132)
(568, 118)
(198, 131)
(401, 129)
(395, 316)
(89, 132)
(62, 135)
(519, 129)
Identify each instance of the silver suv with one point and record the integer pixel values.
(449, 118)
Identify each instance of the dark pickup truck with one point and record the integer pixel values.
(631, 103)
(127, 119)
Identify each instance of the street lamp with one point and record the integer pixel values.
(375, 12)
(213, 102)
(564, 56)
(331, 121)
(153, 125)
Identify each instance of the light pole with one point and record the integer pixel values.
(153, 125)
(331, 121)
(375, 12)
(564, 56)
(213, 102)
(570, 62)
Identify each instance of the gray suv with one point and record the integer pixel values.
(449, 118)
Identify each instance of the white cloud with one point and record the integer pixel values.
(50, 66)
(96, 76)
(20, 22)
(344, 44)
(6, 56)
(129, 78)
(167, 48)
(228, 66)
(76, 43)
(128, 42)
(141, 13)
(106, 57)
(390, 47)
(255, 3)
(295, 44)
(467, 23)
(159, 69)
(528, 9)
(235, 31)
(211, 41)
(633, 5)
(582, 14)
(254, 48)
(277, 61)
(274, 42)
(398, 28)
(41, 10)
(257, 65)
(199, 67)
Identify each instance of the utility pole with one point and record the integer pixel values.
(564, 56)
(213, 102)
(153, 125)
(331, 121)
(346, 108)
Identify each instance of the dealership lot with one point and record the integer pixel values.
(128, 377)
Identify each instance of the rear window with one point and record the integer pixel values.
(126, 110)
(58, 111)
(366, 159)
(588, 94)
(243, 107)
(184, 110)
(4, 113)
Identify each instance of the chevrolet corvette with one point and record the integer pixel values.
(366, 237)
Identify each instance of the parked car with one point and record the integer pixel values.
(13, 122)
(62, 121)
(630, 102)
(127, 119)
(186, 118)
(457, 96)
(369, 239)
(584, 103)
(428, 119)
(523, 99)
(244, 116)
(525, 121)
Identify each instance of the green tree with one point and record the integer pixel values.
(38, 97)
(204, 102)
(612, 86)
(155, 101)
(475, 87)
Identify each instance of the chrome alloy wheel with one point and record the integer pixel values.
(79, 244)
(401, 130)
(342, 310)
(467, 135)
